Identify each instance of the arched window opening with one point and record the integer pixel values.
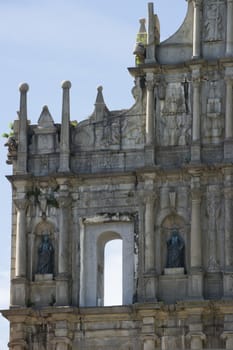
(113, 273)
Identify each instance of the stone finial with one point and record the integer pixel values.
(45, 120)
(21, 167)
(23, 87)
(66, 84)
(100, 106)
(151, 41)
(65, 128)
(141, 41)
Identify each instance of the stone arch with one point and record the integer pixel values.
(94, 237)
(169, 223)
(102, 240)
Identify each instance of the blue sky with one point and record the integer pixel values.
(44, 42)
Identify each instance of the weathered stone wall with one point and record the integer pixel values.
(159, 176)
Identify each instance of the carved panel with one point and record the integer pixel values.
(175, 120)
(214, 21)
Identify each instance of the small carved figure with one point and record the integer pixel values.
(45, 256)
(11, 144)
(175, 250)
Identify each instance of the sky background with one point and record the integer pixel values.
(45, 42)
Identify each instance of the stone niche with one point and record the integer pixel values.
(43, 291)
(173, 281)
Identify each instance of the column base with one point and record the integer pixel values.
(195, 286)
(62, 291)
(228, 285)
(149, 155)
(19, 292)
(196, 152)
(228, 149)
(151, 282)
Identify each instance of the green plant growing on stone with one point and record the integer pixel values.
(34, 193)
(73, 123)
(11, 132)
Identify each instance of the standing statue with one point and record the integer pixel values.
(175, 250)
(45, 256)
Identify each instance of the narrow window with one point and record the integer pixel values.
(113, 273)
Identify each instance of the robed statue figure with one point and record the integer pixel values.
(175, 250)
(45, 256)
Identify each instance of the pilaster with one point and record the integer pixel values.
(228, 239)
(195, 148)
(62, 297)
(196, 276)
(21, 247)
(149, 245)
(229, 37)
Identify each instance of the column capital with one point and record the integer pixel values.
(196, 334)
(150, 84)
(21, 204)
(197, 3)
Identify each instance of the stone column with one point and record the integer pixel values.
(22, 136)
(229, 38)
(228, 241)
(229, 118)
(149, 245)
(150, 109)
(228, 142)
(196, 244)
(196, 28)
(62, 297)
(196, 277)
(195, 150)
(31, 241)
(21, 246)
(65, 129)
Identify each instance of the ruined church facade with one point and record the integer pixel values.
(158, 176)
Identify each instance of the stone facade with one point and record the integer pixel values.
(158, 176)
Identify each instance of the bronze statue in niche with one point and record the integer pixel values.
(175, 250)
(45, 256)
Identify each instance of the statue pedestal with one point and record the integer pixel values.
(174, 271)
(43, 277)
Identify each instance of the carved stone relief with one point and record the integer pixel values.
(107, 133)
(213, 213)
(132, 131)
(175, 120)
(213, 127)
(213, 24)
